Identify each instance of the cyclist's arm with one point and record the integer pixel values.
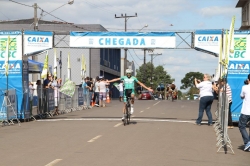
(116, 79)
(149, 89)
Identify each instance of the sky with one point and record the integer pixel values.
(159, 15)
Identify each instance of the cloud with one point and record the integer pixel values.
(214, 11)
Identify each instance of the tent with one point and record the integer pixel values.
(37, 67)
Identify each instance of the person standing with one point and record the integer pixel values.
(230, 101)
(90, 85)
(31, 93)
(245, 114)
(96, 91)
(86, 93)
(121, 90)
(206, 98)
(102, 92)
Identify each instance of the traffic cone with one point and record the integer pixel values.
(108, 99)
(92, 103)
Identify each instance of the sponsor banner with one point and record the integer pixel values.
(123, 40)
(238, 68)
(15, 47)
(208, 40)
(36, 41)
(14, 81)
(241, 46)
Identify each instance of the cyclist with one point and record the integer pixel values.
(129, 88)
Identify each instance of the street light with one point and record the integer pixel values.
(145, 26)
(70, 2)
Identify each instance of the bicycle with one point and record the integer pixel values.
(127, 112)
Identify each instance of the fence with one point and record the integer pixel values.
(221, 123)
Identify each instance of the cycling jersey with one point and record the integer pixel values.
(129, 82)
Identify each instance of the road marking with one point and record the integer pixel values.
(93, 139)
(53, 162)
(118, 124)
(148, 108)
(132, 116)
(156, 103)
(115, 119)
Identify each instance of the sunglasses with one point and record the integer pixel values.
(128, 73)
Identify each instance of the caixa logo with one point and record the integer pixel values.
(208, 38)
(38, 39)
(241, 66)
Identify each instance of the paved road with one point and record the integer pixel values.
(161, 134)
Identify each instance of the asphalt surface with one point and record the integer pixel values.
(161, 133)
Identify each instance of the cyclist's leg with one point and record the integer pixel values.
(124, 105)
(132, 101)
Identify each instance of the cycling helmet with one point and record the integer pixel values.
(129, 71)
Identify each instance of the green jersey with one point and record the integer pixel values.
(129, 82)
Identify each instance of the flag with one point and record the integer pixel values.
(55, 64)
(68, 88)
(69, 68)
(231, 40)
(6, 63)
(83, 67)
(45, 67)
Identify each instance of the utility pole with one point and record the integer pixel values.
(34, 76)
(152, 66)
(35, 17)
(125, 50)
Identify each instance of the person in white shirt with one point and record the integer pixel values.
(121, 90)
(245, 114)
(102, 92)
(206, 98)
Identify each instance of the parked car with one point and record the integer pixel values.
(146, 95)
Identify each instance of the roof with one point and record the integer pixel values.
(241, 3)
(55, 26)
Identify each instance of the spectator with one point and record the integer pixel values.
(121, 90)
(55, 85)
(96, 92)
(90, 85)
(39, 95)
(230, 101)
(31, 92)
(245, 114)
(86, 92)
(102, 92)
(47, 81)
(206, 99)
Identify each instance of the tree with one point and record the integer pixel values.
(179, 94)
(188, 80)
(158, 75)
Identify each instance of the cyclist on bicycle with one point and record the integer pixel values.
(129, 88)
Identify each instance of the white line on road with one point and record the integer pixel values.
(148, 108)
(141, 111)
(53, 162)
(93, 139)
(117, 125)
(114, 119)
(156, 103)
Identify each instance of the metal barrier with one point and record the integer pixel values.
(221, 123)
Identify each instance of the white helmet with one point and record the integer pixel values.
(129, 71)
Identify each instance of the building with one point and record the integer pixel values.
(245, 14)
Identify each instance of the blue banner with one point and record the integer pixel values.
(237, 74)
